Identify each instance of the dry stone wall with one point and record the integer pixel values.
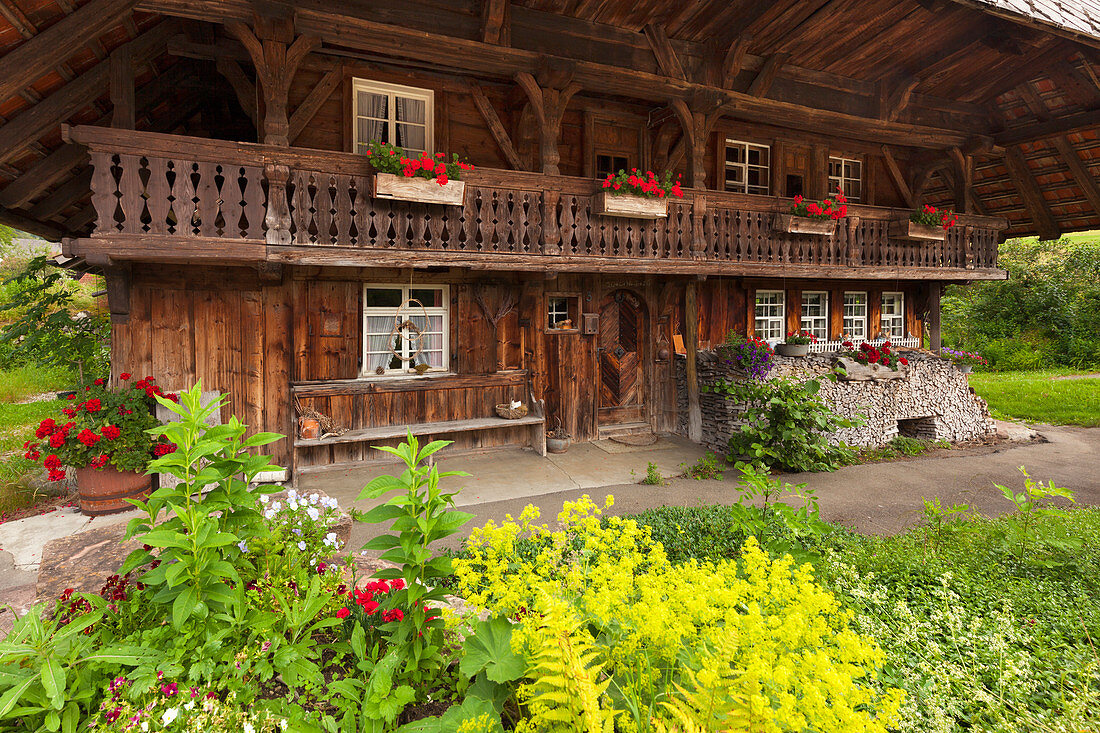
(933, 400)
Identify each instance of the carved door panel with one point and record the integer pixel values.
(621, 355)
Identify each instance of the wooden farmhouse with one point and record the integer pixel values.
(207, 157)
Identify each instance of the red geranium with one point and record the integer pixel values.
(87, 437)
(110, 432)
(343, 613)
(93, 406)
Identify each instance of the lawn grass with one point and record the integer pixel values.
(17, 424)
(1039, 397)
(19, 383)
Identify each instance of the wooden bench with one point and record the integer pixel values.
(390, 432)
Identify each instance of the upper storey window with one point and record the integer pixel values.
(846, 174)
(748, 167)
(395, 114)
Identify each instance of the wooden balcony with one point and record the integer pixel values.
(173, 198)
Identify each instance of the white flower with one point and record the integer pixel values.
(276, 506)
(248, 727)
(144, 725)
(297, 531)
(292, 503)
(301, 545)
(314, 498)
(189, 706)
(243, 546)
(313, 513)
(292, 494)
(269, 514)
(264, 498)
(282, 723)
(169, 715)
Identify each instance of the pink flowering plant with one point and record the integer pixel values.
(637, 183)
(171, 708)
(102, 426)
(387, 158)
(831, 207)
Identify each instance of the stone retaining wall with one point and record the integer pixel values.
(933, 400)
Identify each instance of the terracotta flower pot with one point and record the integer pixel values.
(310, 428)
(105, 490)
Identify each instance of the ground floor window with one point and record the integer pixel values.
(893, 315)
(405, 327)
(771, 315)
(815, 314)
(855, 315)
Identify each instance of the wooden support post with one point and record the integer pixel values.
(691, 345)
(551, 233)
(698, 222)
(118, 292)
(122, 88)
(964, 178)
(276, 60)
(549, 97)
(935, 337)
(698, 121)
(763, 81)
(277, 218)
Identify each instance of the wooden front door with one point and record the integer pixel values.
(621, 350)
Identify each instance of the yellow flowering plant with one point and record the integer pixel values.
(615, 636)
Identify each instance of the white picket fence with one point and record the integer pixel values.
(829, 346)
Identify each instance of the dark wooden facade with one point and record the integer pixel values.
(208, 169)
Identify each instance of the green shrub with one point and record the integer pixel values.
(709, 466)
(786, 426)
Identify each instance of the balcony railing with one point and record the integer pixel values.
(194, 188)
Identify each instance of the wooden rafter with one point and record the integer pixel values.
(311, 105)
(763, 81)
(495, 22)
(1085, 178)
(42, 175)
(667, 60)
(32, 59)
(1064, 125)
(897, 178)
(242, 87)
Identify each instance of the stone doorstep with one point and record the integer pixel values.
(85, 560)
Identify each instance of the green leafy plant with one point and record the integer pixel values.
(46, 330)
(941, 520)
(653, 475)
(710, 466)
(637, 183)
(51, 669)
(786, 426)
(419, 514)
(779, 527)
(1031, 505)
(212, 512)
(930, 216)
(387, 158)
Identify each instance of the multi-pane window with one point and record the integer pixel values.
(392, 113)
(747, 167)
(404, 326)
(893, 315)
(771, 316)
(855, 315)
(846, 174)
(815, 314)
(607, 164)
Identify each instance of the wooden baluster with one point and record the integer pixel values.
(469, 221)
(361, 212)
(157, 195)
(131, 189)
(535, 224)
(968, 247)
(584, 233)
(103, 192)
(232, 200)
(504, 220)
(207, 193)
(303, 206)
(854, 255)
(323, 207)
(277, 218)
(183, 192)
(342, 206)
(254, 204)
(567, 227)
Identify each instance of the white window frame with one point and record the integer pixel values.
(842, 180)
(852, 316)
(745, 166)
(893, 324)
(445, 311)
(770, 320)
(392, 91)
(818, 326)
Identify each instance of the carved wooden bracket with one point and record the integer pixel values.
(698, 120)
(549, 96)
(276, 61)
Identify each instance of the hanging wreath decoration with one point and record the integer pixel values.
(408, 330)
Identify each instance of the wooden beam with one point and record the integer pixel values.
(45, 116)
(964, 179)
(34, 58)
(666, 57)
(951, 182)
(1036, 204)
(24, 223)
(124, 114)
(935, 335)
(67, 194)
(495, 22)
(897, 178)
(243, 87)
(496, 127)
(118, 291)
(895, 97)
(1064, 125)
(1085, 178)
(763, 81)
(691, 345)
(548, 104)
(311, 105)
(43, 174)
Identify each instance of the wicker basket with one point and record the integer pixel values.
(511, 413)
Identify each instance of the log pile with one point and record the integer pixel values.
(931, 399)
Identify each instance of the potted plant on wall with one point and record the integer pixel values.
(424, 179)
(797, 343)
(965, 360)
(636, 195)
(813, 217)
(102, 434)
(927, 225)
(749, 354)
(869, 362)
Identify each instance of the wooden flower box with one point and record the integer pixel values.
(906, 229)
(630, 207)
(804, 224)
(421, 190)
